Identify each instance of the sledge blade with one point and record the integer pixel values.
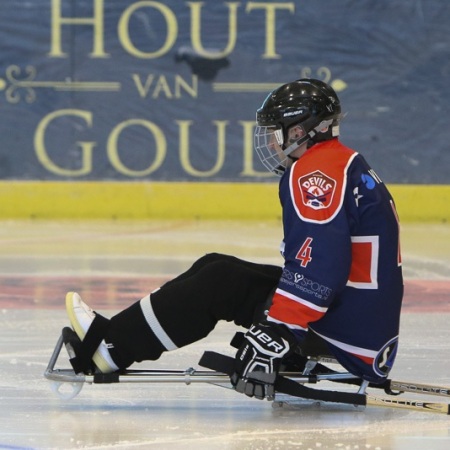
(63, 377)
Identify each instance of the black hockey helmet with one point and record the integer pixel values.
(308, 103)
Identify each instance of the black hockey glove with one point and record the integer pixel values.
(258, 360)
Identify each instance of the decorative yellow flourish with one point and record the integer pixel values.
(322, 73)
(338, 85)
(245, 87)
(14, 84)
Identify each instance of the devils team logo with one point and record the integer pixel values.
(317, 190)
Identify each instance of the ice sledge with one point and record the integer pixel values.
(289, 387)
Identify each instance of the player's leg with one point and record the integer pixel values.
(217, 287)
(186, 309)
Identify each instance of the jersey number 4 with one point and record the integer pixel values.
(304, 254)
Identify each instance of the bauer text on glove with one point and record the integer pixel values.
(259, 358)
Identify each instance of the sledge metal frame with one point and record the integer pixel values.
(67, 377)
(187, 376)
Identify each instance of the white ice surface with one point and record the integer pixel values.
(176, 416)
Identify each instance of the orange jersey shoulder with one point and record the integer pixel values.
(318, 181)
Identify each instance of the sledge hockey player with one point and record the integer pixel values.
(341, 280)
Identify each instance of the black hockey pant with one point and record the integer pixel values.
(187, 308)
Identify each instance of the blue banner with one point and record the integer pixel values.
(167, 91)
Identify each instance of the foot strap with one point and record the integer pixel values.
(83, 351)
(225, 364)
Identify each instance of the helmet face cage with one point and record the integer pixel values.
(265, 139)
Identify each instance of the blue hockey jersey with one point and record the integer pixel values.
(342, 275)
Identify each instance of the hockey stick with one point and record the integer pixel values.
(288, 386)
(417, 388)
(396, 387)
(435, 407)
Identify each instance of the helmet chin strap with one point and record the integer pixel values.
(324, 124)
(288, 150)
